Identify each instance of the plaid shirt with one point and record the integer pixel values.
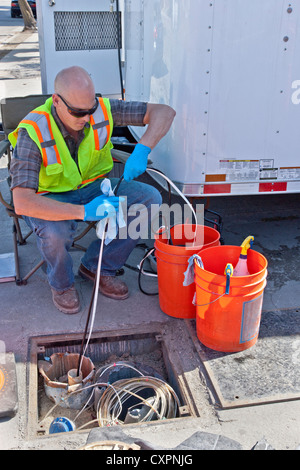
(26, 162)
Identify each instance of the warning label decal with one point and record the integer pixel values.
(240, 170)
(251, 319)
(289, 173)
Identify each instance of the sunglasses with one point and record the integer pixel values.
(79, 113)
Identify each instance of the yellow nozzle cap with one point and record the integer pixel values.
(247, 243)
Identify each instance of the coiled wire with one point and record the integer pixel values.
(164, 404)
(111, 403)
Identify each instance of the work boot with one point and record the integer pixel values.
(67, 302)
(110, 286)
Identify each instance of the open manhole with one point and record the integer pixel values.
(117, 358)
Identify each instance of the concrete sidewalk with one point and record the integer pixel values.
(20, 65)
(28, 311)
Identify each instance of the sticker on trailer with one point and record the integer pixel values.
(240, 170)
(268, 174)
(266, 163)
(288, 173)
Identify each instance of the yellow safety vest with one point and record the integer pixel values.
(59, 172)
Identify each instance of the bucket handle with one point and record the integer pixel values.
(209, 303)
(228, 273)
(222, 295)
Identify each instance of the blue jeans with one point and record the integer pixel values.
(55, 238)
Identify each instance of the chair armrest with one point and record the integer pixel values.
(122, 156)
(9, 207)
(4, 146)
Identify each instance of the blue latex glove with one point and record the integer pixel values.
(136, 164)
(101, 207)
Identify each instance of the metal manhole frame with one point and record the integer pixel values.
(187, 410)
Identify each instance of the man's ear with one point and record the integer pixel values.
(55, 99)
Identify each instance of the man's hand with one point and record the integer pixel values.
(101, 207)
(136, 164)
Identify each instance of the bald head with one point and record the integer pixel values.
(73, 87)
(73, 79)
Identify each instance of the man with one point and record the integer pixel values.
(61, 154)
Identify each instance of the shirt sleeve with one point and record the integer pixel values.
(128, 113)
(25, 163)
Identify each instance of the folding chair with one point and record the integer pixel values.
(13, 110)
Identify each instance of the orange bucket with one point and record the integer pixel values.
(229, 322)
(175, 299)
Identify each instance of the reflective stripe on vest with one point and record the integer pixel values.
(41, 122)
(100, 124)
(91, 180)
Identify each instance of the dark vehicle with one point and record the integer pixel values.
(15, 9)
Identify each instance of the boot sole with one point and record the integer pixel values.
(110, 296)
(114, 296)
(66, 311)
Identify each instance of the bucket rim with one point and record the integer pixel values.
(162, 242)
(235, 247)
(157, 234)
(181, 251)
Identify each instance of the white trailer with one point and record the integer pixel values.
(230, 69)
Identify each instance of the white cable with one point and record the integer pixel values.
(140, 266)
(164, 227)
(97, 280)
(115, 364)
(176, 189)
(111, 422)
(165, 405)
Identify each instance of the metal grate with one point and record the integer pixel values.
(86, 30)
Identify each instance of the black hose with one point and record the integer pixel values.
(140, 274)
(118, 185)
(86, 327)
